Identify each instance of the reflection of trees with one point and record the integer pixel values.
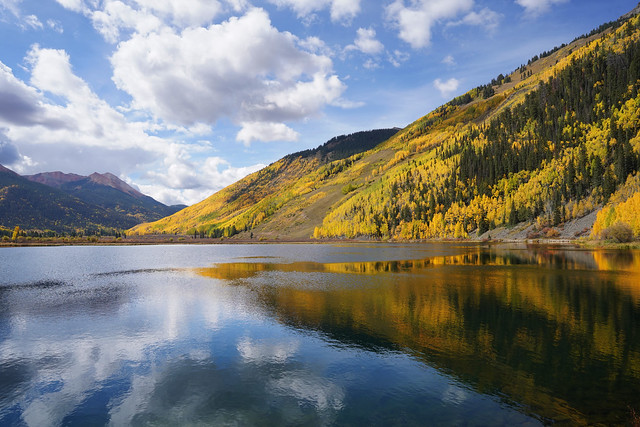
(562, 339)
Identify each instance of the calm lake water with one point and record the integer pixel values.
(318, 335)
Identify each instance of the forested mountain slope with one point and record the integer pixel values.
(279, 200)
(34, 206)
(109, 192)
(552, 141)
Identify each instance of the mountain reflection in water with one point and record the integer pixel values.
(554, 331)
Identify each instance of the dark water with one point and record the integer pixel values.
(318, 335)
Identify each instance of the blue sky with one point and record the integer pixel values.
(183, 97)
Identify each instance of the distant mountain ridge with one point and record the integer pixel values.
(62, 180)
(54, 179)
(64, 202)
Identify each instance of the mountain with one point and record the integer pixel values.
(68, 202)
(109, 192)
(31, 205)
(543, 146)
(276, 194)
(54, 179)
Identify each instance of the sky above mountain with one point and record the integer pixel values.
(184, 97)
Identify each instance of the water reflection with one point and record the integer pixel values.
(67, 352)
(553, 330)
(488, 336)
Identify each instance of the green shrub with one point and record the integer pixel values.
(348, 188)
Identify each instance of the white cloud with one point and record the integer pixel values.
(51, 72)
(266, 132)
(11, 5)
(117, 16)
(449, 60)
(32, 21)
(113, 17)
(366, 42)
(446, 88)
(243, 69)
(370, 64)
(238, 5)
(486, 18)
(55, 26)
(415, 21)
(315, 45)
(24, 22)
(340, 10)
(538, 7)
(183, 180)
(74, 5)
(183, 13)
(398, 57)
(344, 10)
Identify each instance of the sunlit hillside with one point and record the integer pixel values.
(287, 198)
(553, 141)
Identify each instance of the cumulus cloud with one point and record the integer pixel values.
(184, 180)
(315, 45)
(21, 104)
(51, 72)
(243, 69)
(366, 42)
(144, 16)
(344, 10)
(340, 10)
(110, 17)
(415, 21)
(238, 5)
(448, 87)
(538, 7)
(87, 119)
(117, 16)
(266, 132)
(83, 126)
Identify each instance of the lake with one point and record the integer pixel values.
(325, 334)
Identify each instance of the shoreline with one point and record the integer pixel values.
(153, 240)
